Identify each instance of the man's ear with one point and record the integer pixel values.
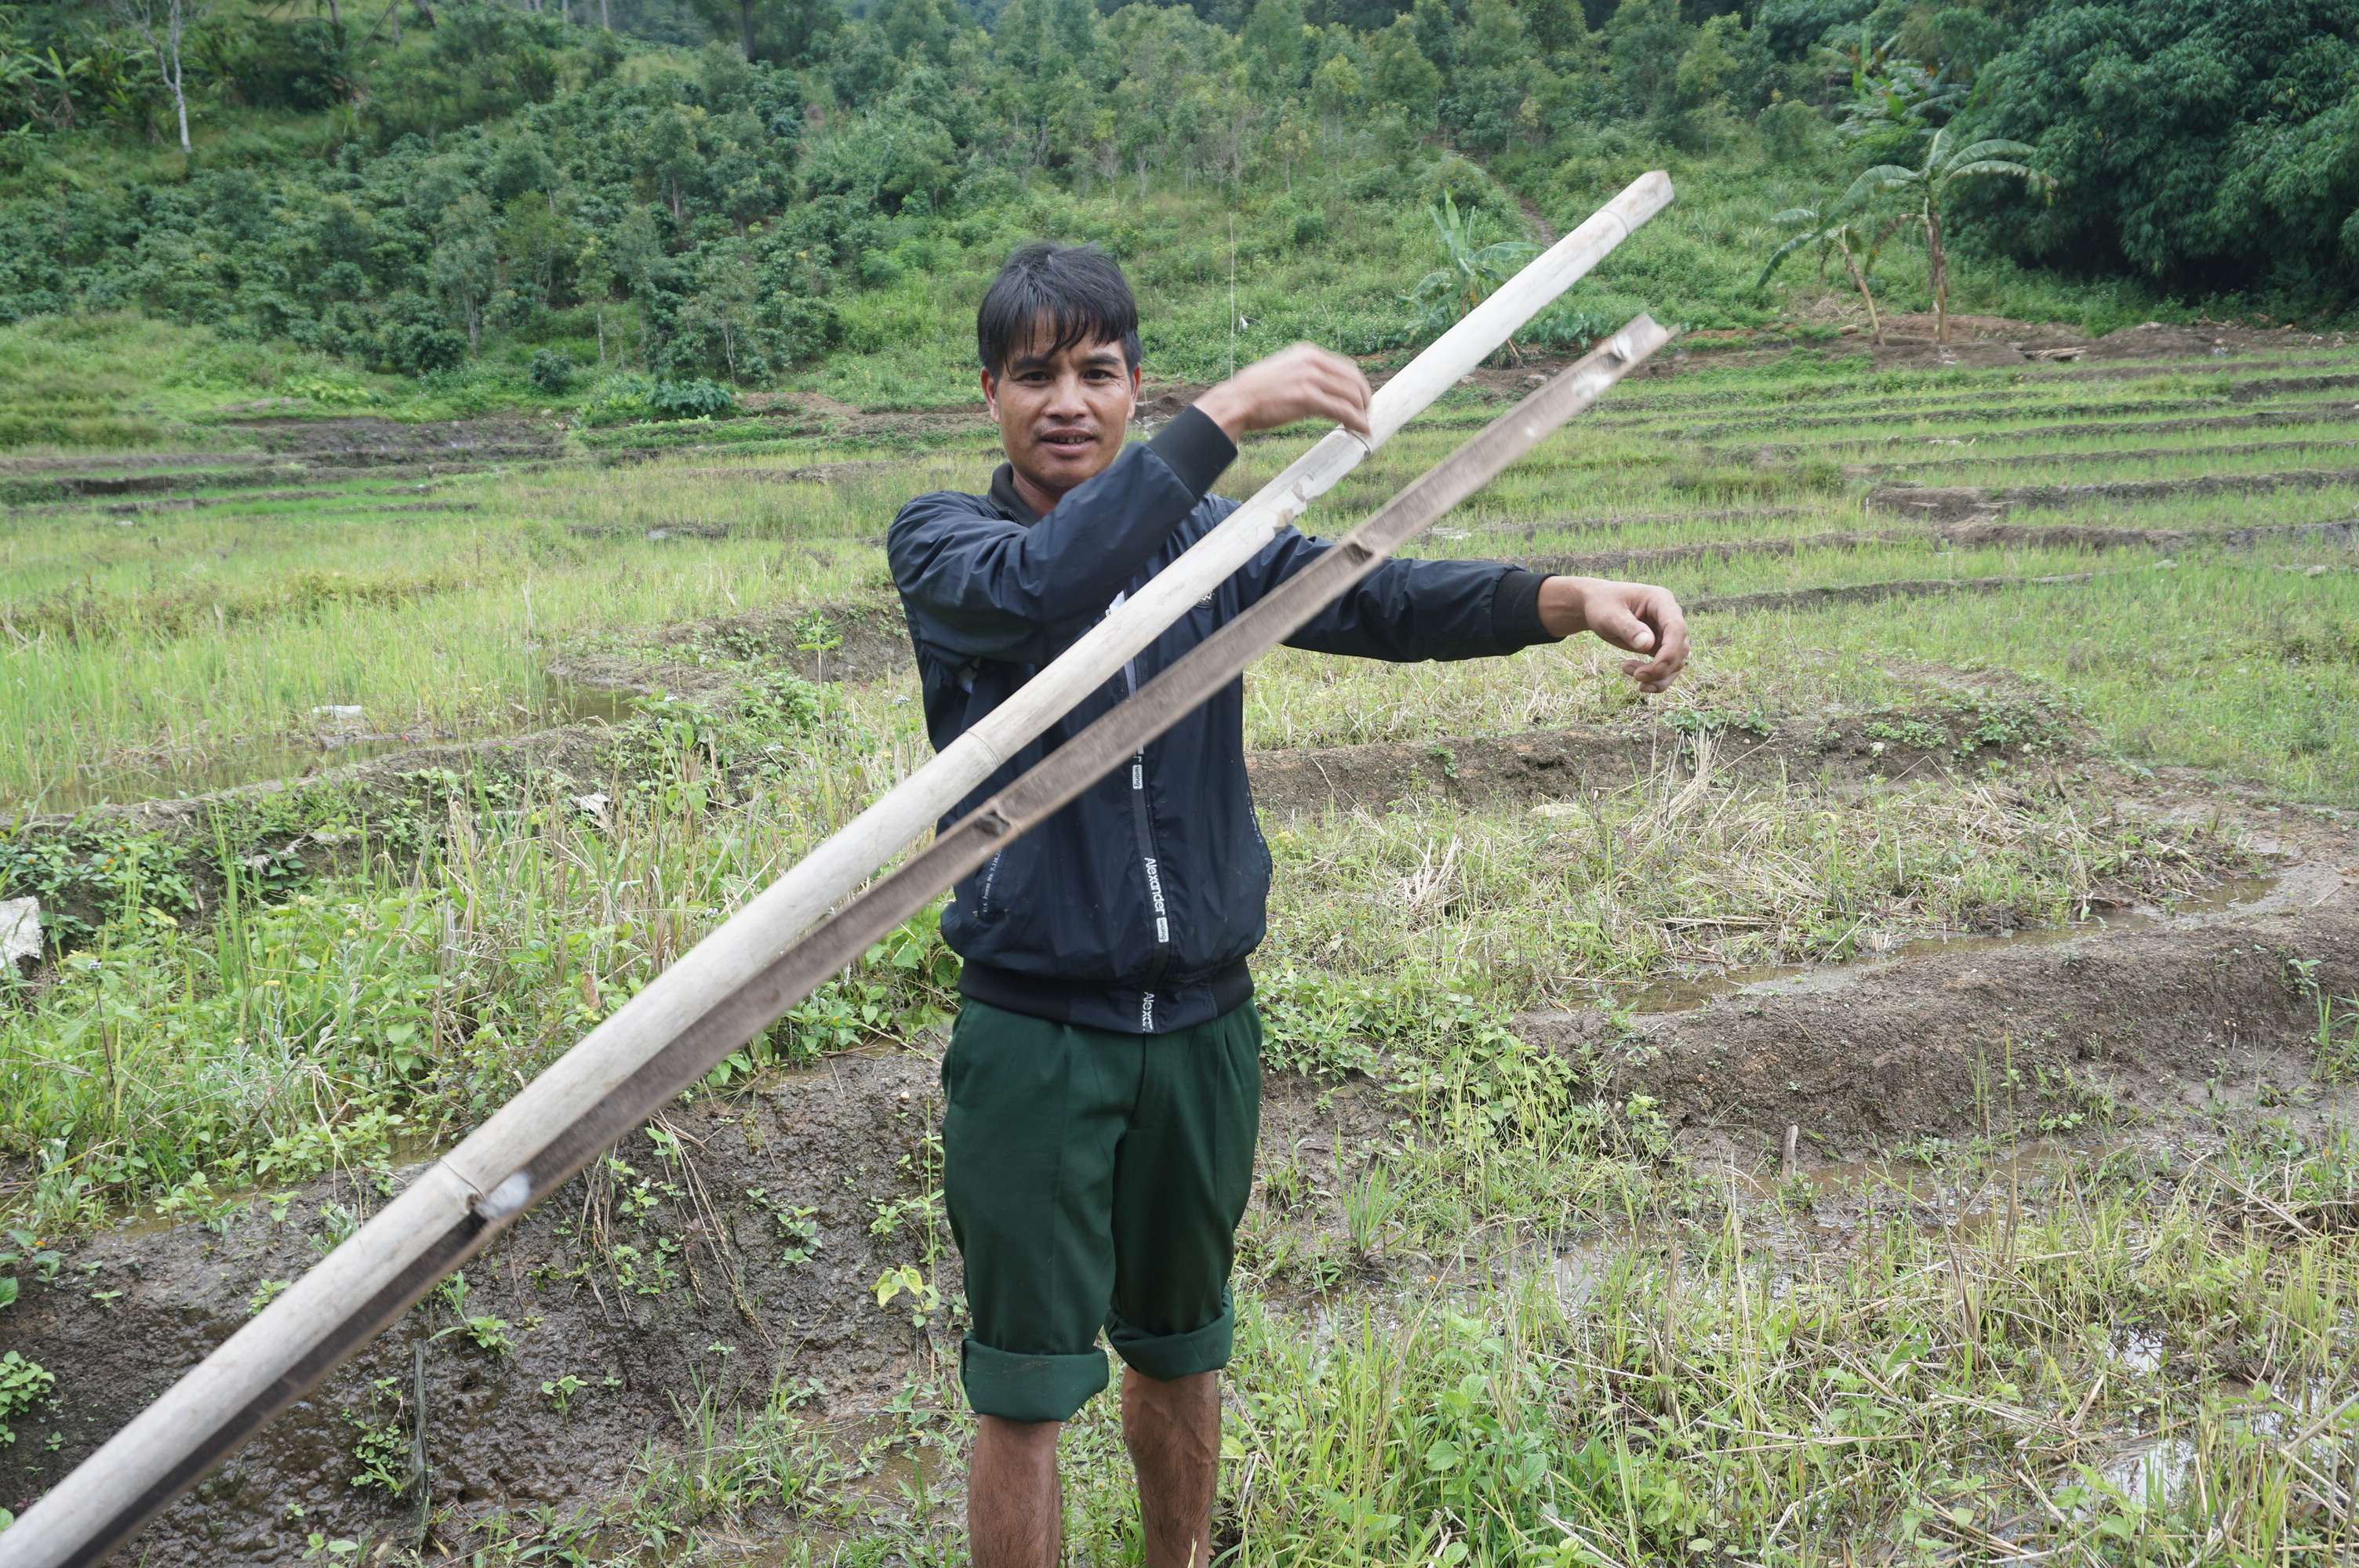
(991, 392)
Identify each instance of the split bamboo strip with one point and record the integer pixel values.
(719, 994)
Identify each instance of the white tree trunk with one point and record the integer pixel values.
(179, 19)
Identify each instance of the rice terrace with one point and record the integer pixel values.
(1885, 1096)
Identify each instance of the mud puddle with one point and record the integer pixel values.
(331, 736)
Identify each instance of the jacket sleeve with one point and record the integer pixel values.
(1406, 611)
(987, 587)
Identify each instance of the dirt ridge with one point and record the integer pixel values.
(2005, 1038)
(1578, 762)
(1876, 592)
(2257, 419)
(2089, 459)
(1963, 535)
(1971, 501)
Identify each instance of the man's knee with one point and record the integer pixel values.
(1019, 1436)
(1188, 1386)
(1154, 1407)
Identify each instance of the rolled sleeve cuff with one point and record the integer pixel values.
(1164, 1356)
(1029, 1387)
(1515, 609)
(1194, 449)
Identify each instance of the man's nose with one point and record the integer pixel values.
(1065, 399)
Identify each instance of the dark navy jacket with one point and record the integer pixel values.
(1136, 906)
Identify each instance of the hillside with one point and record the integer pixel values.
(508, 208)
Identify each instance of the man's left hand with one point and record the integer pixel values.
(1637, 617)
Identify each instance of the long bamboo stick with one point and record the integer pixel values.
(711, 1001)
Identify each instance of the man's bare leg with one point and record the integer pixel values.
(1173, 1431)
(1015, 1515)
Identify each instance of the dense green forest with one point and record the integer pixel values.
(642, 204)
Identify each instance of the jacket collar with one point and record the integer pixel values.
(1003, 496)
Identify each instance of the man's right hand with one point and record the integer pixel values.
(1304, 381)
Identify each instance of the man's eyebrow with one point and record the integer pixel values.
(1096, 359)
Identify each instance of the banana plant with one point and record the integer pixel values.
(1925, 191)
(1467, 276)
(1834, 234)
(57, 77)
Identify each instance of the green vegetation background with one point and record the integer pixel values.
(458, 207)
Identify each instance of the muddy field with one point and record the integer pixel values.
(1959, 973)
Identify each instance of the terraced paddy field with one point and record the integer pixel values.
(1888, 1100)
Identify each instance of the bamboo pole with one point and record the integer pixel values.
(727, 987)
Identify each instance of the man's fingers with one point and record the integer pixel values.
(1618, 626)
(1647, 621)
(1347, 391)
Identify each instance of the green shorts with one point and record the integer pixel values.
(1094, 1180)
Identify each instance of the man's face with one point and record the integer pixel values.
(1061, 415)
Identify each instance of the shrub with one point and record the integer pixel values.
(417, 347)
(689, 399)
(551, 371)
(619, 399)
(1791, 131)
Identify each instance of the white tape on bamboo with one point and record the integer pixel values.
(150, 1458)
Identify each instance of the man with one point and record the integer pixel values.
(1103, 1081)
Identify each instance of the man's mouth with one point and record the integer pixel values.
(1070, 442)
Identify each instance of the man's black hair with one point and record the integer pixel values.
(1075, 293)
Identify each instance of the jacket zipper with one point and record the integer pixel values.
(1146, 830)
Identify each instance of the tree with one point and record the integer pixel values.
(1895, 100)
(1839, 235)
(1273, 43)
(1644, 43)
(2206, 144)
(1402, 76)
(719, 13)
(466, 267)
(1925, 191)
(162, 33)
(669, 151)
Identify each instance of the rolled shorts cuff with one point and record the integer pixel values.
(1028, 1388)
(1164, 1356)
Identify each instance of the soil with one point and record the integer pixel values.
(1770, 452)
(1578, 765)
(1740, 515)
(364, 441)
(2093, 459)
(1962, 502)
(2194, 1019)
(1873, 592)
(1963, 535)
(170, 502)
(842, 1142)
(1898, 409)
